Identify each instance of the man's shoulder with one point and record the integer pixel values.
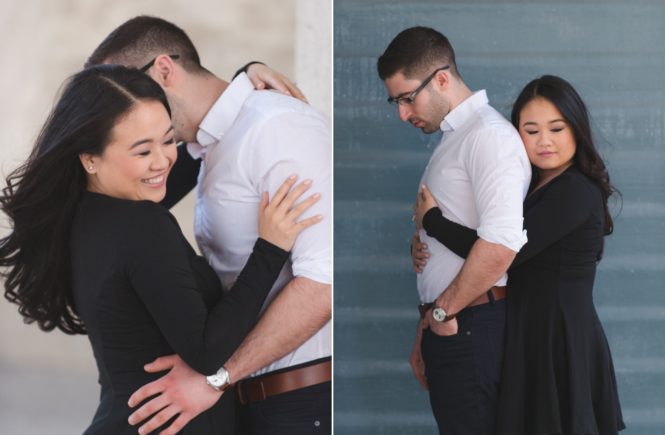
(265, 105)
(489, 126)
(489, 121)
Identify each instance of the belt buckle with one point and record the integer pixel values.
(251, 391)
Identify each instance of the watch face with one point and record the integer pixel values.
(217, 380)
(438, 314)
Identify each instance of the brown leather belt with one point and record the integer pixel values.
(496, 293)
(254, 390)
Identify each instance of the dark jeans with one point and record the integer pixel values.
(303, 411)
(463, 371)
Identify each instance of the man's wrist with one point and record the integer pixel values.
(220, 381)
(441, 311)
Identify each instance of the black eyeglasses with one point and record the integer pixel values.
(410, 97)
(147, 66)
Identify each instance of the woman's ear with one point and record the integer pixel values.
(88, 162)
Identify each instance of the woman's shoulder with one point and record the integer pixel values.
(574, 183)
(124, 214)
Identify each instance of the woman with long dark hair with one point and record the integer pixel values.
(91, 250)
(558, 376)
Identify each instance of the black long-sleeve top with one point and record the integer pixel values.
(144, 293)
(567, 204)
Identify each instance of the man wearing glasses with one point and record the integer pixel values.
(479, 174)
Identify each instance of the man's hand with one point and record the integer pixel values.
(264, 77)
(441, 328)
(419, 253)
(416, 359)
(181, 391)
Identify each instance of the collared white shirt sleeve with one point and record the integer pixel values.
(300, 143)
(497, 174)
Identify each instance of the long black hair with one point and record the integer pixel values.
(41, 196)
(566, 99)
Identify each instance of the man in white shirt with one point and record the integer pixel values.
(479, 175)
(249, 142)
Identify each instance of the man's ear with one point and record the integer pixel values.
(442, 80)
(88, 162)
(165, 71)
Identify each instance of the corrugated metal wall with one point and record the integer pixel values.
(613, 53)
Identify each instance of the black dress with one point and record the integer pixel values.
(142, 293)
(557, 374)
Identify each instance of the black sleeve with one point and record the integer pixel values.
(159, 270)
(565, 206)
(454, 236)
(182, 178)
(245, 68)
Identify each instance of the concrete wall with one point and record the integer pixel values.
(612, 52)
(52, 376)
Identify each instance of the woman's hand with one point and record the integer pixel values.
(419, 253)
(277, 218)
(264, 77)
(424, 202)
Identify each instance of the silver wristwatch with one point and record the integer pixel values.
(440, 315)
(220, 381)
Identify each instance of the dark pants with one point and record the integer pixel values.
(303, 411)
(463, 371)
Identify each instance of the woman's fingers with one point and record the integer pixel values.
(283, 190)
(295, 91)
(296, 211)
(427, 198)
(285, 204)
(263, 203)
(306, 223)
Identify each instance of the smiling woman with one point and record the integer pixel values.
(93, 252)
(130, 169)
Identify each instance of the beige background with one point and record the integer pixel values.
(48, 381)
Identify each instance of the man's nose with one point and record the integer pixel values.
(404, 112)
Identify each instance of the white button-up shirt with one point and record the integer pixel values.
(251, 141)
(479, 174)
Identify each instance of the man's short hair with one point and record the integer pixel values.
(416, 52)
(141, 39)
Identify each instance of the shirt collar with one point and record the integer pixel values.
(464, 111)
(224, 112)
